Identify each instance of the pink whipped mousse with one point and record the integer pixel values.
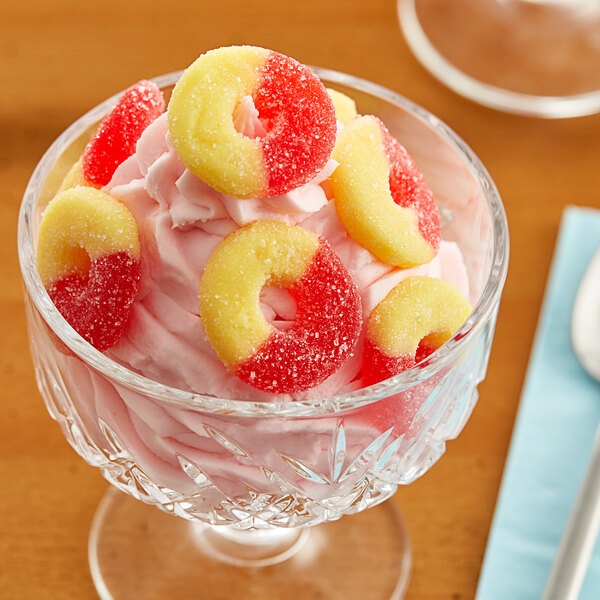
(180, 222)
(190, 452)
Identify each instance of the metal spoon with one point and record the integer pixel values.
(579, 538)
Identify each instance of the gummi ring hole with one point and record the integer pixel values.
(425, 348)
(278, 306)
(79, 260)
(247, 120)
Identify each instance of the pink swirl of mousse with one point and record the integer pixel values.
(181, 220)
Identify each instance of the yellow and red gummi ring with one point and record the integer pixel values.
(344, 106)
(291, 102)
(117, 135)
(381, 196)
(413, 320)
(88, 258)
(328, 319)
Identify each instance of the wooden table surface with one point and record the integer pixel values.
(59, 58)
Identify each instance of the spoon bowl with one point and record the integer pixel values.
(585, 323)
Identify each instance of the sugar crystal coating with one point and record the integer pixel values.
(88, 258)
(409, 189)
(301, 120)
(382, 198)
(97, 304)
(328, 318)
(345, 107)
(325, 332)
(291, 101)
(118, 133)
(415, 318)
(74, 177)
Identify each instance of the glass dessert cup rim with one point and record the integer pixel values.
(443, 357)
(487, 94)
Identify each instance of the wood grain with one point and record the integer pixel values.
(60, 58)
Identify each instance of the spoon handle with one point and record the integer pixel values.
(578, 540)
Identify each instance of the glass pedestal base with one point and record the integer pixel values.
(533, 57)
(137, 551)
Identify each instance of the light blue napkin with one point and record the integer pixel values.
(552, 439)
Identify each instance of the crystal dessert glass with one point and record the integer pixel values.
(259, 488)
(532, 57)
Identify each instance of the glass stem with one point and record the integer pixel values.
(250, 548)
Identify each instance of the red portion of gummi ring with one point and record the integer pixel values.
(328, 319)
(117, 135)
(381, 196)
(293, 104)
(415, 318)
(88, 258)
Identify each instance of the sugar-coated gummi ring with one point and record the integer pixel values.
(291, 101)
(381, 197)
(328, 318)
(118, 133)
(416, 317)
(74, 177)
(345, 107)
(88, 258)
